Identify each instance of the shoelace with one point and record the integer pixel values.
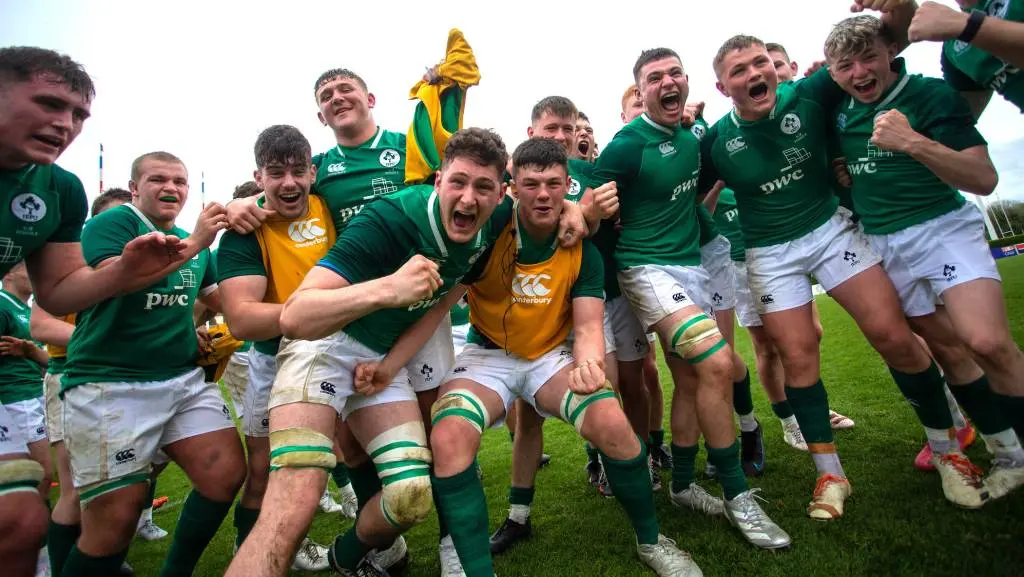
(969, 472)
(704, 499)
(794, 431)
(825, 480)
(751, 511)
(668, 547)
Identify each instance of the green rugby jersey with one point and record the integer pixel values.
(38, 204)
(706, 224)
(460, 313)
(240, 255)
(350, 177)
(21, 379)
(385, 235)
(656, 169)
(778, 166)
(727, 217)
(891, 190)
(579, 175)
(970, 69)
(143, 336)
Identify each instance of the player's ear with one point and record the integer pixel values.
(312, 171)
(320, 117)
(371, 100)
(257, 175)
(529, 131)
(721, 88)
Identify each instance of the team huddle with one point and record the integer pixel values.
(388, 300)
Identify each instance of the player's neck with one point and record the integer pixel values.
(160, 224)
(356, 136)
(752, 115)
(536, 232)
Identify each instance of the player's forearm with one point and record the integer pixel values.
(87, 286)
(968, 170)
(254, 321)
(413, 339)
(1003, 39)
(898, 22)
(48, 329)
(39, 356)
(588, 329)
(312, 314)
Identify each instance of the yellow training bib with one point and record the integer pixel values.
(292, 247)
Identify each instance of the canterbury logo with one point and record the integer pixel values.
(304, 230)
(530, 285)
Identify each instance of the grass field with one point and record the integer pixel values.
(896, 523)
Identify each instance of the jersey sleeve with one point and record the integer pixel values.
(239, 255)
(107, 233)
(956, 77)
(210, 274)
(949, 119)
(371, 245)
(820, 88)
(73, 208)
(708, 172)
(590, 282)
(620, 162)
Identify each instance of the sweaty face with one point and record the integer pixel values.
(632, 108)
(38, 120)
(866, 76)
(560, 128)
(344, 104)
(540, 191)
(468, 193)
(748, 77)
(287, 187)
(664, 89)
(584, 140)
(161, 191)
(784, 69)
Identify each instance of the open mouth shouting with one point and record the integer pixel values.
(866, 87)
(463, 221)
(583, 146)
(49, 140)
(290, 199)
(671, 101)
(759, 92)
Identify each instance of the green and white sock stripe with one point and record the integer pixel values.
(403, 463)
(301, 448)
(461, 403)
(102, 488)
(574, 407)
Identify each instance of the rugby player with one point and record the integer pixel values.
(135, 356)
(656, 164)
(911, 144)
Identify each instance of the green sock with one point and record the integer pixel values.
(925, 392)
(61, 539)
(684, 467)
(199, 521)
(81, 565)
(1013, 410)
(729, 472)
(442, 523)
(657, 437)
(520, 495)
(810, 406)
(782, 409)
(340, 474)
(742, 402)
(349, 550)
(365, 482)
(630, 482)
(592, 453)
(461, 499)
(245, 518)
(981, 405)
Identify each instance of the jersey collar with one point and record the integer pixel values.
(519, 233)
(373, 142)
(433, 215)
(14, 300)
(655, 125)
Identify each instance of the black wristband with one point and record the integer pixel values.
(973, 25)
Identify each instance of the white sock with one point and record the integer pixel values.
(748, 423)
(959, 421)
(942, 441)
(519, 513)
(146, 516)
(1006, 445)
(828, 464)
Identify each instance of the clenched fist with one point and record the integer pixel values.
(606, 199)
(587, 377)
(418, 279)
(371, 378)
(933, 21)
(893, 132)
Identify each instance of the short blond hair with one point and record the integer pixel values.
(855, 35)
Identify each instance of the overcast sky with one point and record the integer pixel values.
(202, 79)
